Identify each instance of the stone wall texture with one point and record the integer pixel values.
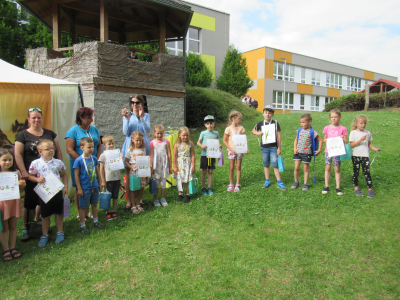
(109, 78)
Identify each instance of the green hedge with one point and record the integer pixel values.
(201, 102)
(356, 102)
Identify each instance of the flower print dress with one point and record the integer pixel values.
(160, 158)
(184, 163)
(131, 155)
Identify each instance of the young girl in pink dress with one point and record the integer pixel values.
(10, 209)
(160, 162)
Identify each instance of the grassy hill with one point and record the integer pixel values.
(256, 244)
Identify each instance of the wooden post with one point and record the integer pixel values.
(72, 32)
(161, 42)
(366, 97)
(56, 26)
(103, 21)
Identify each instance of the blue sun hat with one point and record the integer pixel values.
(209, 118)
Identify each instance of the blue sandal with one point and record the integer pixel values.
(230, 188)
(237, 188)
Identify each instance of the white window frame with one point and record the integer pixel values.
(353, 84)
(316, 77)
(277, 100)
(303, 75)
(278, 71)
(176, 46)
(334, 80)
(315, 103)
(302, 101)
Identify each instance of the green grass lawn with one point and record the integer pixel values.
(256, 244)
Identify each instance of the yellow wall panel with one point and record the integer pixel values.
(278, 54)
(269, 68)
(304, 88)
(354, 92)
(252, 58)
(258, 94)
(210, 61)
(333, 92)
(369, 75)
(203, 21)
(280, 111)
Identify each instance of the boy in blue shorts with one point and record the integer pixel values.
(303, 151)
(207, 165)
(87, 177)
(270, 133)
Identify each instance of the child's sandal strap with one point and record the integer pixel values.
(230, 188)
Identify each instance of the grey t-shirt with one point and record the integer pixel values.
(110, 175)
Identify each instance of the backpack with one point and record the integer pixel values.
(314, 146)
(254, 104)
(314, 141)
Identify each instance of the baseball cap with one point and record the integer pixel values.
(269, 108)
(209, 118)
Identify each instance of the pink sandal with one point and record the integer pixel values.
(230, 188)
(237, 188)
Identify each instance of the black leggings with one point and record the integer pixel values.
(364, 162)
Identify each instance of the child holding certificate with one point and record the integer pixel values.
(38, 170)
(331, 131)
(270, 133)
(10, 209)
(110, 179)
(234, 129)
(207, 165)
(87, 177)
(136, 148)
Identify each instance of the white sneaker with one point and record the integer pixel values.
(164, 202)
(156, 203)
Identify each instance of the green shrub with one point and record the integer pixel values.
(198, 73)
(356, 102)
(201, 102)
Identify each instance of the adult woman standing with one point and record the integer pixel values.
(84, 117)
(135, 120)
(25, 152)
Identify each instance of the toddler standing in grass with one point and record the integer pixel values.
(184, 162)
(360, 141)
(110, 179)
(270, 132)
(136, 148)
(10, 209)
(333, 130)
(303, 150)
(234, 128)
(160, 162)
(87, 177)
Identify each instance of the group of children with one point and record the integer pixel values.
(91, 174)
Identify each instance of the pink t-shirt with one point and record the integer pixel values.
(334, 132)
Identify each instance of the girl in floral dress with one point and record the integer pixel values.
(184, 162)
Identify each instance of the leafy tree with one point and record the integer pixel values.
(198, 73)
(234, 78)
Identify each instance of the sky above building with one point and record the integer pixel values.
(358, 33)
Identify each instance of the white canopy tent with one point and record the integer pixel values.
(22, 89)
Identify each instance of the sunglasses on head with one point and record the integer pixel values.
(33, 109)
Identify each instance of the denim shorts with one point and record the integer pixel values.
(89, 197)
(304, 157)
(270, 156)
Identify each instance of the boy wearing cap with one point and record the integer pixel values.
(270, 131)
(207, 163)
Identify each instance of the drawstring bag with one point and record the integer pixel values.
(221, 159)
(105, 198)
(135, 183)
(281, 164)
(193, 189)
(346, 156)
(67, 208)
(153, 186)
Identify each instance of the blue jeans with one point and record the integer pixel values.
(89, 197)
(270, 156)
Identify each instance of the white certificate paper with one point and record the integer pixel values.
(269, 135)
(51, 186)
(213, 148)
(114, 160)
(9, 187)
(143, 165)
(240, 143)
(335, 146)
